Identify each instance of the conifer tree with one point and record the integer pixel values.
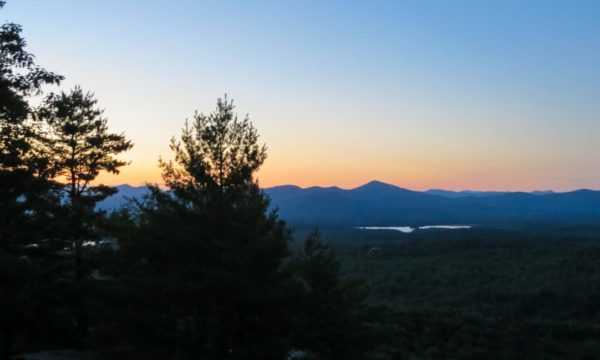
(211, 245)
(80, 147)
(207, 271)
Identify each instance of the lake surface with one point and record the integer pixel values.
(408, 229)
(404, 229)
(450, 227)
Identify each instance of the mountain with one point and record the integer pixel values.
(464, 193)
(374, 203)
(542, 192)
(470, 193)
(380, 204)
(126, 193)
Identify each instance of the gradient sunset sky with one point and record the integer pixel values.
(482, 95)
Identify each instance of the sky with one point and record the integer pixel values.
(480, 95)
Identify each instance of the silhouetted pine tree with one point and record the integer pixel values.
(206, 259)
(80, 146)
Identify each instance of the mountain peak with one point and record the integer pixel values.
(376, 184)
(379, 188)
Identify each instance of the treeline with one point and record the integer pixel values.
(198, 269)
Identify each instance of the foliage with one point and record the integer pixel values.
(208, 267)
(218, 151)
(334, 321)
(486, 293)
(26, 202)
(204, 269)
(20, 78)
(79, 147)
(211, 246)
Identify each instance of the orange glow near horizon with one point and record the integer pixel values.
(456, 95)
(276, 172)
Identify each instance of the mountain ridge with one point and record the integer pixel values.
(380, 204)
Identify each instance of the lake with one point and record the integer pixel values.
(409, 229)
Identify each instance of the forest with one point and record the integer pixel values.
(483, 293)
(203, 268)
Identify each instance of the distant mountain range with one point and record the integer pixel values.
(467, 193)
(380, 204)
(126, 193)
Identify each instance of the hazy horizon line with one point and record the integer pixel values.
(383, 183)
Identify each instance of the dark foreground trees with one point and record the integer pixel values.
(204, 268)
(207, 251)
(40, 149)
(79, 147)
(24, 192)
(333, 319)
(207, 271)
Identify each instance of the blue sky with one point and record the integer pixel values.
(447, 94)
